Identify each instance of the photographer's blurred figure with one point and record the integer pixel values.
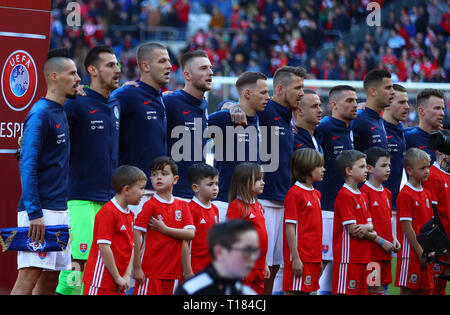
(234, 248)
(438, 183)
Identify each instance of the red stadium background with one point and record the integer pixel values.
(24, 33)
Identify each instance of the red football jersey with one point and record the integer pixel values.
(161, 254)
(380, 208)
(256, 216)
(350, 207)
(204, 218)
(302, 208)
(438, 185)
(412, 205)
(114, 226)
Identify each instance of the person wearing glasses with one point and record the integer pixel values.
(234, 249)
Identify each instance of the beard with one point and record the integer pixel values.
(202, 87)
(109, 85)
(71, 96)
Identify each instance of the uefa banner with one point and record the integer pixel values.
(24, 36)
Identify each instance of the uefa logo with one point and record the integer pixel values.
(19, 80)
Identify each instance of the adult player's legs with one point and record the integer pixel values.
(326, 279)
(82, 219)
(46, 285)
(26, 280)
(274, 215)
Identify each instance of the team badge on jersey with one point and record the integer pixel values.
(308, 280)
(19, 80)
(178, 215)
(352, 284)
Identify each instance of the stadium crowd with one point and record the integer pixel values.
(412, 42)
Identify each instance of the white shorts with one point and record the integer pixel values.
(56, 261)
(274, 215)
(327, 236)
(223, 208)
(146, 197)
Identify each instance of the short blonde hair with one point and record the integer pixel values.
(413, 155)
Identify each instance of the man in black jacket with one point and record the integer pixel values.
(234, 248)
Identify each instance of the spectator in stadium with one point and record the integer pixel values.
(258, 26)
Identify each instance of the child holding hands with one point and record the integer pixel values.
(352, 227)
(380, 206)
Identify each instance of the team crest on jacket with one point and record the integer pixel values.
(19, 80)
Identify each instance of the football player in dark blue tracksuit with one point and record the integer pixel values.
(187, 118)
(244, 142)
(94, 121)
(430, 107)
(335, 135)
(307, 118)
(143, 124)
(44, 175)
(368, 127)
(392, 117)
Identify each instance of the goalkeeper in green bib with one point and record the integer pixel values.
(94, 138)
